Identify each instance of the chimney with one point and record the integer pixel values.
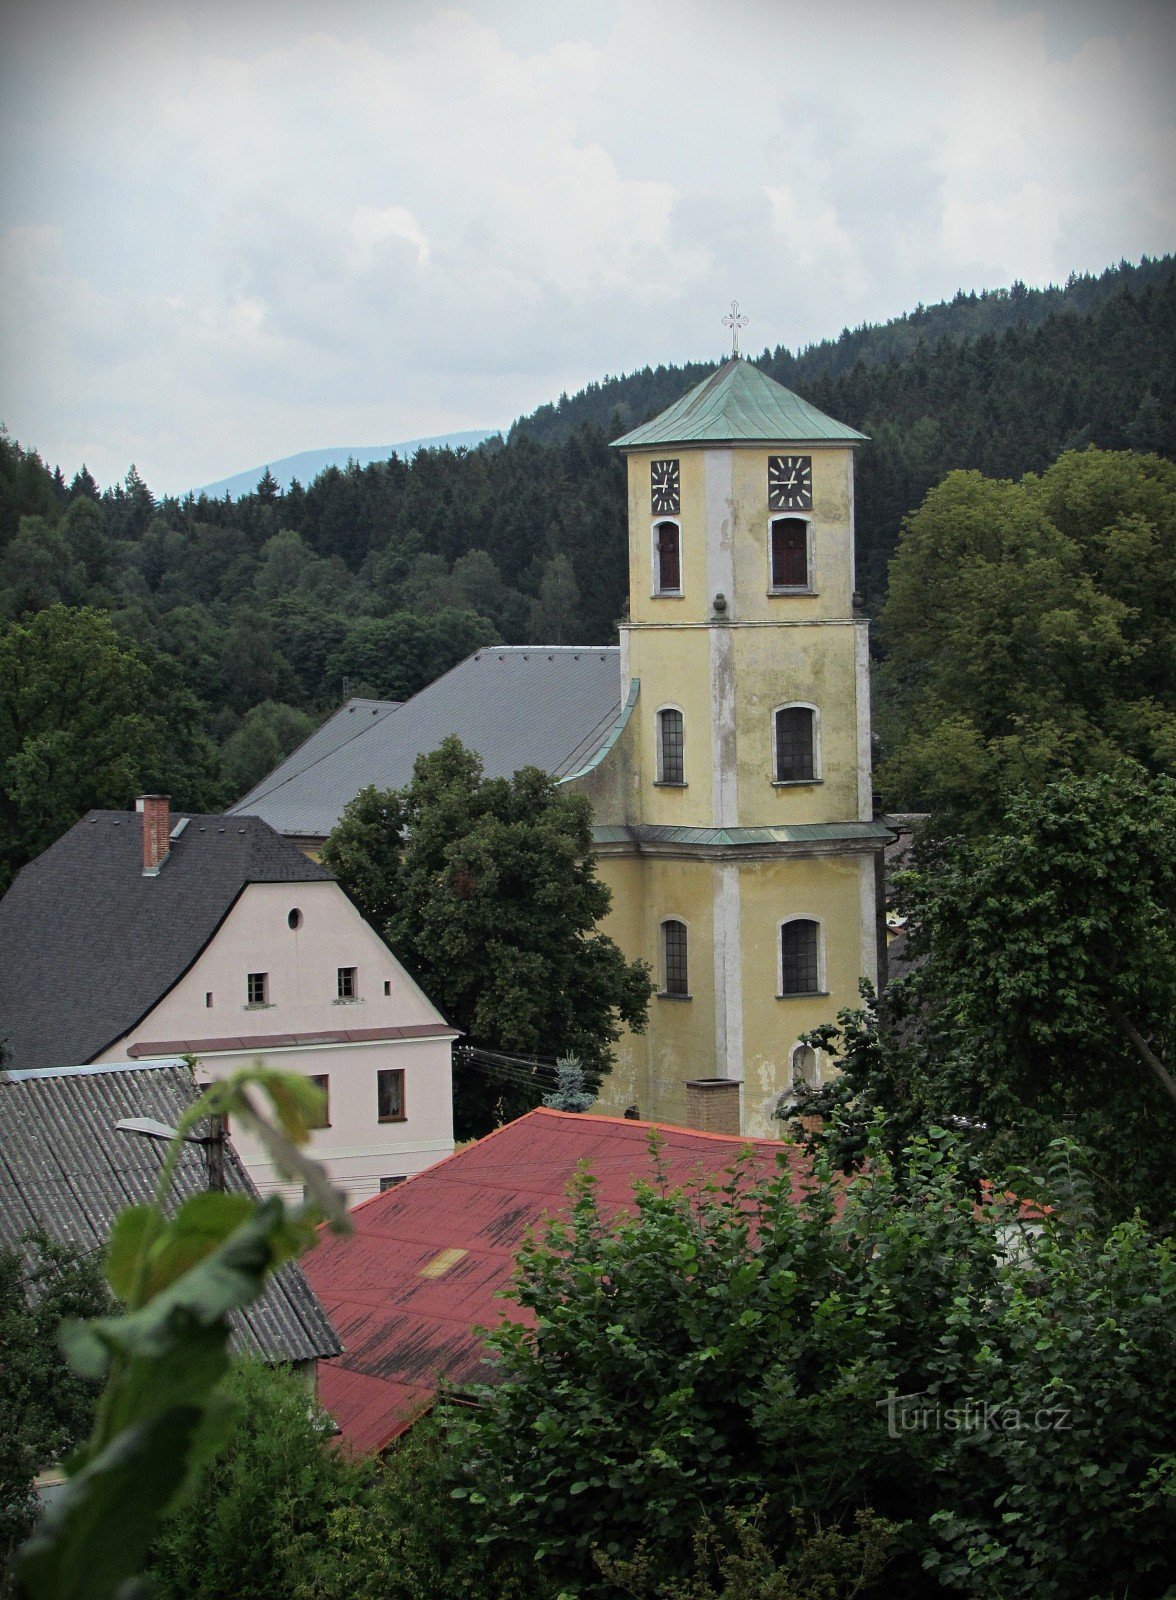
(156, 830)
(712, 1105)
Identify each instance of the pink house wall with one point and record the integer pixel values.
(302, 964)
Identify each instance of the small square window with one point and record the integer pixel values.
(387, 985)
(390, 1094)
(390, 1183)
(348, 986)
(322, 1080)
(208, 999)
(257, 988)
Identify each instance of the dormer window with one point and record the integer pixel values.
(667, 558)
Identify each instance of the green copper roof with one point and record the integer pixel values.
(738, 404)
(790, 833)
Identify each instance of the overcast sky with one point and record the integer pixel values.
(231, 231)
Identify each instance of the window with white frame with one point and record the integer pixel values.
(671, 746)
(675, 973)
(667, 558)
(790, 553)
(257, 989)
(800, 956)
(347, 983)
(795, 744)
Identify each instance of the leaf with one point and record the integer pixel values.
(133, 1232)
(96, 1534)
(200, 1225)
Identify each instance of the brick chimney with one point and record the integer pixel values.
(156, 809)
(712, 1105)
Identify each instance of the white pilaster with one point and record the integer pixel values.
(728, 974)
(719, 492)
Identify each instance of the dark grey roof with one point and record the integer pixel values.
(88, 944)
(66, 1169)
(352, 719)
(548, 706)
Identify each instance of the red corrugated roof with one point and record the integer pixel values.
(401, 1331)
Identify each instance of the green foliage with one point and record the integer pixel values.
(46, 1409)
(1040, 995)
(393, 657)
(834, 1349)
(264, 1507)
(162, 1414)
(262, 739)
(86, 721)
(738, 1562)
(487, 888)
(1030, 627)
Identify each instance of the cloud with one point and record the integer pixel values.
(234, 232)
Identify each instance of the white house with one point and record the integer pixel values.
(140, 936)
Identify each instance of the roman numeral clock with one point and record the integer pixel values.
(790, 483)
(665, 488)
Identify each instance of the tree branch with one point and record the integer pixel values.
(1145, 1050)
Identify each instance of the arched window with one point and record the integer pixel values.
(806, 1069)
(671, 746)
(790, 553)
(800, 956)
(796, 744)
(667, 558)
(674, 972)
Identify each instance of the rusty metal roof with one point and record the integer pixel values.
(739, 404)
(65, 1169)
(427, 1260)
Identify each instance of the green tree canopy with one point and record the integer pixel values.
(1039, 995)
(262, 739)
(46, 1409)
(394, 657)
(487, 888)
(1030, 627)
(87, 720)
(823, 1350)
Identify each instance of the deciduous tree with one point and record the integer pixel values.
(488, 889)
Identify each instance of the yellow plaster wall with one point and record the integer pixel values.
(673, 666)
(776, 666)
(832, 535)
(829, 889)
(693, 605)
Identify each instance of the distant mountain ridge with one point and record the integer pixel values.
(307, 464)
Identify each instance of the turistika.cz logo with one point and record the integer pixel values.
(925, 1412)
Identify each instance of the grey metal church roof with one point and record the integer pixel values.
(351, 719)
(66, 1169)
(547, 706)
(88, 944)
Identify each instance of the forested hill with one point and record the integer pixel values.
(266, 611)
(628, 400)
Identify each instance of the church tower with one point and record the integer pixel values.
(743, 853)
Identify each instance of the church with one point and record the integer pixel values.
(724, 745)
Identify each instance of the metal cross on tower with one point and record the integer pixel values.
(734, 321)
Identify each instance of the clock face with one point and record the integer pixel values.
(790, 483)
(665, 488)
